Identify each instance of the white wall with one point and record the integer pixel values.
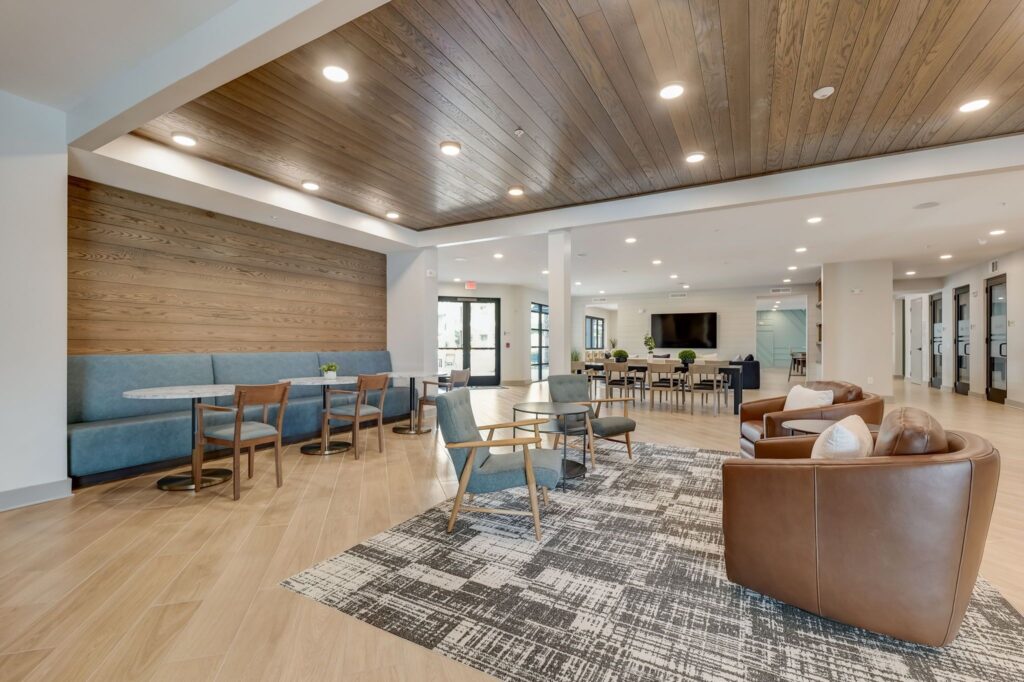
(515, 323)
(857, 324)
(736, 308)
(1011, 265)
(412, 310)
(33, 303)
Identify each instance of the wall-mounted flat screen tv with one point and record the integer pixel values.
(685, 330)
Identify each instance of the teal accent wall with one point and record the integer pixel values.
(778, 334)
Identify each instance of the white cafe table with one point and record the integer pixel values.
(333, 446)
(195, 394)
(413, 428)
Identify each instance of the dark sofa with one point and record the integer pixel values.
(751, 372)
(111, 437)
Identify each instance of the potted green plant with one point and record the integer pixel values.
(329, 370)
(574, 355)
(614, 343)
(620, 355)
(649, 343)
(687, 357)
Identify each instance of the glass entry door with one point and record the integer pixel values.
(962, 315)
(468, 336)
(936, 341)
(995, 290)
(539, 345)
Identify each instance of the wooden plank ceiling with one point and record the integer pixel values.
(581, 79)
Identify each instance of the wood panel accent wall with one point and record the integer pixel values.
(147, 275)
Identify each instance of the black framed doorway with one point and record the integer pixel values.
(962, 339)
(469, 336)
(935, 320)
(995, 339)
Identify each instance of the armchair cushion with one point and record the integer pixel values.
(752, 430)
(249, 431)
(848, 438)
(612, 426)
(801, 398)
(350, 410)
(505, 470)
(910, 431)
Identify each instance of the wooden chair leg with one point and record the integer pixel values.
(544, 495)
(277, 462)
(419, 415)
(355, 438)
(558, 439)
(325, 432)
(197, 466)
(629, 446)
(252, 458)
(380, 433)
(467, 471)
(590, 442)
(237, 472)
(531, 487)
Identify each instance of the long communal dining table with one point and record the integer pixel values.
(735, 372)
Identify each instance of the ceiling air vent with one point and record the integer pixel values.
(599, 299)
(677, 294)
(782, 290)
(993, 267)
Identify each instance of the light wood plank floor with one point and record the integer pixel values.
(126, 582)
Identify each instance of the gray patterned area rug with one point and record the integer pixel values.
(627, 584)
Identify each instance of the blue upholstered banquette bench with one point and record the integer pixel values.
(110, 436)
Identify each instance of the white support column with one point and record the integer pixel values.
(559, 300)
(412, 310)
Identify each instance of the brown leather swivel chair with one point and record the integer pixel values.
(763, 418)
(890, 543)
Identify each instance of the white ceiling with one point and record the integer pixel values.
(55, 51)
(753, 245)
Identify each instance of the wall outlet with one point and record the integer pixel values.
(871, 381)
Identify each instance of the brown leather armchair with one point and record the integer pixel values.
(763, 418)
(890, 543)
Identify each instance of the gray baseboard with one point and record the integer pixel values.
(976, 394)
(34, 494)
(1015, 403)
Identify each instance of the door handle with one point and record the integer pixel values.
(1002, 349)
(967, 349)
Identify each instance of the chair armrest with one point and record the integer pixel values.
(505, 442)
(431, 382)
(509, 425)
(754, 410)
(611, 400)
(785, 447)
(215, 408)
(331, 391)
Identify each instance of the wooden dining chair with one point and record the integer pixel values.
(705, 379)
(359, 411)
(665, 378)
(457, 378)
(240, 433)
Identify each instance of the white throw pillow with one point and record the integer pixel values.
(801, 397)
(846, 439)
(738, 358)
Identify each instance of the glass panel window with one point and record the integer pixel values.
(468, 338)
(539, 341)
(594, 333)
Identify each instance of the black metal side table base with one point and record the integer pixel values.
(179, 482)
(334, 447)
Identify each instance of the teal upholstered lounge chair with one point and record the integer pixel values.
(482, 471)
(572, 388)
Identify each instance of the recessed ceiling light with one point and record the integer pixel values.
(655, 262)
(631, 240)
(460, 259)
(578, 283)
(183, 139)
(801, 249)
(451, 148)
(823, 92)
(601, 292)
(545, 272)
(516, 191)
(996, 233)
(671, 91)
(673, 276)
(457, 279)
(791, 267)
(973, 105)
(786, 281)
(814, 220)
(694, 157)
(686, 286)
(392, 215)
(310, 185)
(778, 303)
(911, 273)
(335, 74)
(946, 256)
(499, 256)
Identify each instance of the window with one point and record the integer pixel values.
(538, 342)
(594, 333)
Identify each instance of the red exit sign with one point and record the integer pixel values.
(470, 285)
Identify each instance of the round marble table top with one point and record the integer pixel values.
(412, 375)
(319, 381)
(178, 392)
(551, 409)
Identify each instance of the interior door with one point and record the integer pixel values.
(935, 305)
(995, 338)
(916, 350)
(962, 313)
(468, 336)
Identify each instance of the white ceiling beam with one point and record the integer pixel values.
(155, 170)
(244, 36)
(969, 158)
